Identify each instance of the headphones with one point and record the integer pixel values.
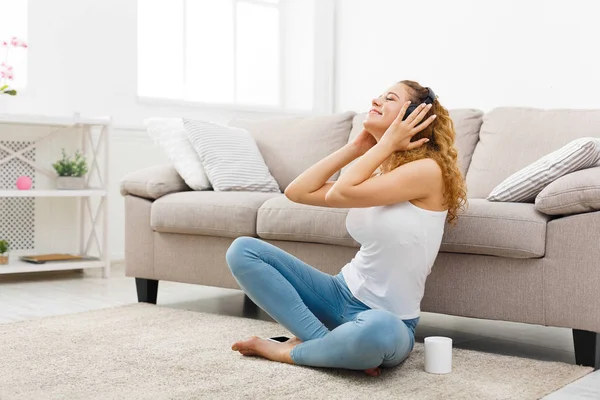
(428, 100)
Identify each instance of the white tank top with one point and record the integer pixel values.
(399, 244)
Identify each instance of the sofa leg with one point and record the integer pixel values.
(250, 308)
(587, 348)
(147, 290)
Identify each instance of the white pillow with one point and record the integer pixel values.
(170, 135)
(526, 184)
(230, 157)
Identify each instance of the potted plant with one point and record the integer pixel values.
(3, 252)
(70, 171)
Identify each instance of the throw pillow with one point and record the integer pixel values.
(171, 136)
(526, 184)
(574, 193)
(230, 157)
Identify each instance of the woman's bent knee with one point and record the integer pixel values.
(380, 330)
(237, 252)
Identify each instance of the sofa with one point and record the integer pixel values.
(500, 261)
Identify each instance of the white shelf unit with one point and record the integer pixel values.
(99, 151)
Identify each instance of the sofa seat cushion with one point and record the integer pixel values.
(281, 219)
(224, 214)
(514, 230)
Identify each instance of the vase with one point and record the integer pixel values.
(70, 182)
(3, 258)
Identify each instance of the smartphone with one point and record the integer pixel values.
(279, 339)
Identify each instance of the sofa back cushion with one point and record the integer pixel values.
(290, 145)
(512, 138)
(466, 124)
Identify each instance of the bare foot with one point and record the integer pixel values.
(373, 371)
(277, 351)
(274, 351)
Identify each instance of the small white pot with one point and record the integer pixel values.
(70, 182)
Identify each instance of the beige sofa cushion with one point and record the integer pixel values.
(224, 214)
(575, 193)
(514, 230)
(488, 228)
(281, 219)
(512, 138)
(466, 124)
(290, 145)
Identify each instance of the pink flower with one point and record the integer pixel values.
(16, 42)
(6, 72)
(4, 43)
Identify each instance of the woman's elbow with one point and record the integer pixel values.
(333, 198)
(290, 193)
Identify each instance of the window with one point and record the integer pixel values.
(242, 52)
(14, 24)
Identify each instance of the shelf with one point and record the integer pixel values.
(16, 266)
(24, 119)
(53, 193)
(93, 224)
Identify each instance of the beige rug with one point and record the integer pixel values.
(142, 351)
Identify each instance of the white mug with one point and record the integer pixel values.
(438, 355)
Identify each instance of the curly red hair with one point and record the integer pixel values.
(440, 148)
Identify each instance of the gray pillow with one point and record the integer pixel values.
(230, 157)
(575, 193)
(525, 184)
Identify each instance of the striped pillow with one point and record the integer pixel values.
(526, 184)
(230, 157)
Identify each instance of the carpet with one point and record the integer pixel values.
(143, 351)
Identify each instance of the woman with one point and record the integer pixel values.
(364, 317)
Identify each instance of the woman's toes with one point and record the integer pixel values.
(245, 345)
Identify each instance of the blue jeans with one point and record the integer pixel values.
(337, 329)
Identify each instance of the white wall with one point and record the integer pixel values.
(480, 54)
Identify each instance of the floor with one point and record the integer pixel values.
(35, 295)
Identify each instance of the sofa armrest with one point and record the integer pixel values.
(153, 182)
(574, 193)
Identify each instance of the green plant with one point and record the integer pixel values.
(4, 89)
(66, 166)
(3, 246)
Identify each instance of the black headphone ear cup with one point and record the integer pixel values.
(409, 111)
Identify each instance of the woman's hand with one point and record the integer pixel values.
(363, 142)
(398, 135)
